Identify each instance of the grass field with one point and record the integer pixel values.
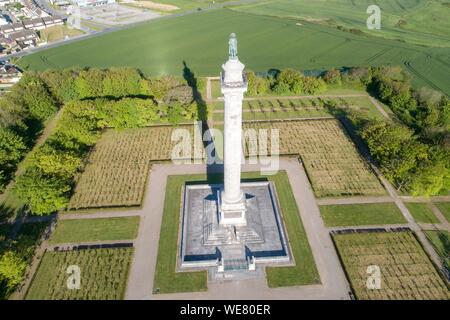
(441, 243)
(117, 169)
(160, 47)
(361, 214)
(103, 274)
(167, 280)
(406, 270)
(56, 33)
(406, 20)
(444, 207)
(332, 161)
(85, 230)
(421, 212)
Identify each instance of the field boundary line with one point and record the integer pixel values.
(69, 246)
(354, 200)
(101, 214)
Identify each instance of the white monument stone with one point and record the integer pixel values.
(233, 86)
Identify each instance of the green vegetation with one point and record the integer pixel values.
(108, 100)
(264, 42)
(402, 20)
(56, 33)
(421, 212)
(86, 230)
(444, 207)
(441, 243)
(16, 252)
(167, 280)
(23, 113)
(361, 214)
(414, 155)
(104, 274)
(406, 271)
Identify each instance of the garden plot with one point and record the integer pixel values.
(331, 160)
(117, 169)
(103, 275)
(406, 270)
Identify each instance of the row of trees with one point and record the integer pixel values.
(293, 82)
(38, 96)
(286, 82)
(413, 151)
(23, 112)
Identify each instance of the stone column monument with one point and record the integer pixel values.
(233, 85)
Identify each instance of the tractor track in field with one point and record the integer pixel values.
(414, 71)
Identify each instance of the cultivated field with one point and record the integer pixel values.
(200, 39)
(332, 161)
(407, 20)
(103, 275)
(282, 108)
(406, 270)
(118, 167)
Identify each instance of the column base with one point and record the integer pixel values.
(231, 213)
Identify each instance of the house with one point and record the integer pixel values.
(52, 21)
(17, 26)
(9, 74)
(24, 38)
(34, 24)
(7, 28)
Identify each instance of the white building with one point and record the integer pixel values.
(92, 3)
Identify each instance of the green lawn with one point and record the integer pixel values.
(444, 207)
(167, 280)
(200, 39)
(103, 275)
(361, 214)
(421, 212)
(441, 243)
(84, 230)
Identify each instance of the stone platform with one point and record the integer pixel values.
(206, 243)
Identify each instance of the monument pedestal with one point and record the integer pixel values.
(232, 213)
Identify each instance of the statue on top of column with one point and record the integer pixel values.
(232, 46)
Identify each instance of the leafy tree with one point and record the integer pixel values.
(12, 268)
(44, 194)
(121, 82)
(181, 94)
(333, 77)
(289, 80)
(313, 85)
(39, 101)
(12, 148)
(61, 84)
(89, 83)
(55, 162)
(257, 85)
